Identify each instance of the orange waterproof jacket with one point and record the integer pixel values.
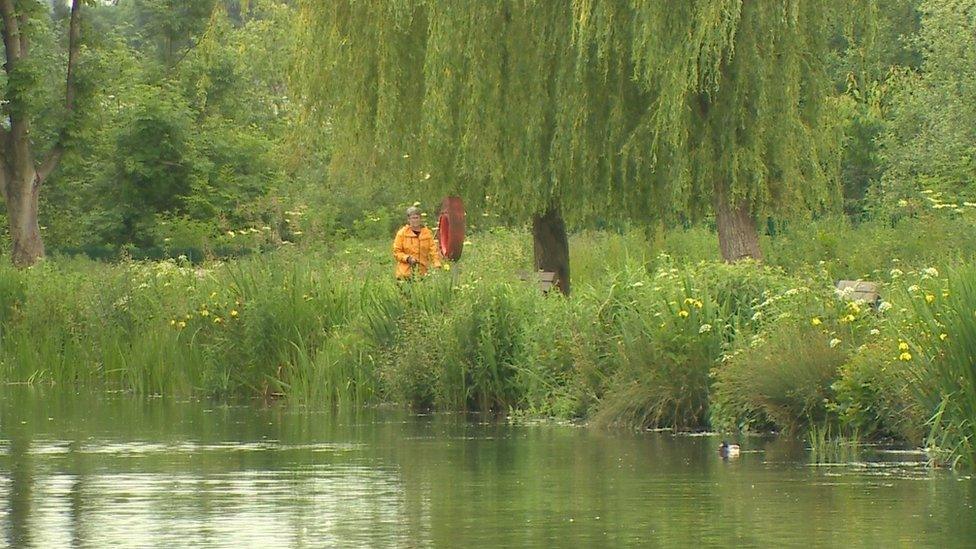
(421, 247)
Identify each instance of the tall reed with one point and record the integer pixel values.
(946, 368)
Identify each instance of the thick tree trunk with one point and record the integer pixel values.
(21, 198)
(551, 246)
(737, 234)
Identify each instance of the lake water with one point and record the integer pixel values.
(95, 470)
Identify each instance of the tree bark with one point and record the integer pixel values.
(737, 234)
(21, 195)
(551, 246)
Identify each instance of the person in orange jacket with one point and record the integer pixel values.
(414, 247)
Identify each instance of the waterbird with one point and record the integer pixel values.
(727, 450)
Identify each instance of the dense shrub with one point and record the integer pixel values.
(873, 396)
(781, 381)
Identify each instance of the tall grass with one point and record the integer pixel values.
(946, 369)
(781, 383)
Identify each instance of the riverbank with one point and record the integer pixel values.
(648, 339)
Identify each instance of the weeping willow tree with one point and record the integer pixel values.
(483, 99)
(551, 109)
(738, 120)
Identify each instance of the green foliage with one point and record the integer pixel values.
(929, 142)
(869, 250)
(611, 108)
(161, 165)
(171, 25)
(189, 134)
(873, 396)
(943, 342)
(778, 382)
(664, 363)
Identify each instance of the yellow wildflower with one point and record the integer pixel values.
(172, 322)
(929, 298)
(943, 337)
(815, 321)
(181, 324)
(905, 357)
(217, 320)
(233, 313)
(902, 346)
(848, 318)
(204, 312)
(683, 313)
(698, 304)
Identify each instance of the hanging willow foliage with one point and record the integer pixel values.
(604, 107)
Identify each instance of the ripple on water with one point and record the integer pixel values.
(135, 448)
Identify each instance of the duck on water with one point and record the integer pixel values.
(727, 450)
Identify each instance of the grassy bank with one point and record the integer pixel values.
(657, 334)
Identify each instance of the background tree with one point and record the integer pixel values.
(173, 157)
(871, 52)
(738, 119)
(22, 171)
(929, 143)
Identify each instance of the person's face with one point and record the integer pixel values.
(415, 221)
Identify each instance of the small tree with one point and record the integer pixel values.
(21, 174)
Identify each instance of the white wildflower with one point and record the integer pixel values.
(705, 328)
(834, 342)
(883, 306)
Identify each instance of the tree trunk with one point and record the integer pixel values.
(25, 233)
(737, 234)
(551, 246)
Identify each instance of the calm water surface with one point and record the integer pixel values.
(82, 470)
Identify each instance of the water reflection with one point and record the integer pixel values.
(85, 470)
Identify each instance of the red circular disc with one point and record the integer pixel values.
(451, 227)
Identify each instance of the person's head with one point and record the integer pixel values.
(414, 218)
